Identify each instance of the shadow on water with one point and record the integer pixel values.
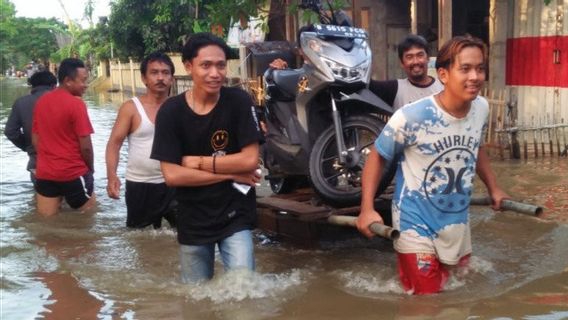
(90, 266)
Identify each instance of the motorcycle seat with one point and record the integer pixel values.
(286, 81)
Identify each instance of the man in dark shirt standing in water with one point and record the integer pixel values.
(207, 141)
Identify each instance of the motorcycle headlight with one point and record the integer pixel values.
(313, 50)
(348, 74)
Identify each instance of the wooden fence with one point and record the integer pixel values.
(543, 137)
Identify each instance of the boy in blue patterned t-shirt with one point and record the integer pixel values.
(436, 142)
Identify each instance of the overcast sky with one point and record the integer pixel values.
(52, 8)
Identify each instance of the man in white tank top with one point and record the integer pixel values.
(148, 199)
(413, 53)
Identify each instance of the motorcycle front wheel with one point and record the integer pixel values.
(282, 185)
(339, 184)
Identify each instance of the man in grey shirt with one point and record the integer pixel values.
(414, 54)
(19, 125)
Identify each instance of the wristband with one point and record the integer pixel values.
(214, 157)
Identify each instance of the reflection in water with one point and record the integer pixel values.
(67, 298)
(90, 266)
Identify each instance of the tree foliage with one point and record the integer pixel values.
(39, 39)
(138, 27)
(25, 39)
(133, 29)
(7, 31)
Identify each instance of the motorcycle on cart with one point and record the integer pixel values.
(322, 119)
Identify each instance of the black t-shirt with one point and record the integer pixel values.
(208, 213)
(385, 90)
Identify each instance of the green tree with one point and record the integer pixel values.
(138, 27)
(7, 32)
(88, 12)
(26, 39)
(38, 42)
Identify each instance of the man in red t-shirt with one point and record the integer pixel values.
(61, 134)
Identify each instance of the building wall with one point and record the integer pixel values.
(536, 62)
(389, 23)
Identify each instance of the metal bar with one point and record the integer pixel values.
(377, 228)
(511, 205)
(550, 126)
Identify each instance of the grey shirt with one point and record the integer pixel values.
(397, 93)
(19, 125)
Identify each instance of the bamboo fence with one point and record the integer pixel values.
(543, 136)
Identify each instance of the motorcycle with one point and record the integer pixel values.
(322, 119)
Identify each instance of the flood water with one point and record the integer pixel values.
(89, 266)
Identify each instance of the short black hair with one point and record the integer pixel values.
(410, 41)
(200, 40)
(156, 56)
(68, 68)
(42, 78)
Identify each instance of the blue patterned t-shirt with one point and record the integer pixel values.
(436, 155)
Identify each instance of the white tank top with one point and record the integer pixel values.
(140, 167)
(408, 93)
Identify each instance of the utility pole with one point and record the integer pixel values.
(70, 22)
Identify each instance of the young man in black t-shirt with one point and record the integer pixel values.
(207, 141)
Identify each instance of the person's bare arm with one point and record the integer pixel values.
(35, 140)
(372, 172)
(483, 168)
(86, 147)
(278, 64)
(176, 175)
(242, 162)
(120, 131)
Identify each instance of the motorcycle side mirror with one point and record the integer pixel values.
(342, 19)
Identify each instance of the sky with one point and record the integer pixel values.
(52, 8)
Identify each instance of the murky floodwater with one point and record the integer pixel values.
(76, 266)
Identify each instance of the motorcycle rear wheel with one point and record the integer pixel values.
(340, 184)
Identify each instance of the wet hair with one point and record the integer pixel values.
(410, 41)
(156, 56)
(42, 78)
(450, 49)
(200, 40)
(68, 68)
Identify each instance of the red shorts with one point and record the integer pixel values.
(423, 273)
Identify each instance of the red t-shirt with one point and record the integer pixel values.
(59, 120)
